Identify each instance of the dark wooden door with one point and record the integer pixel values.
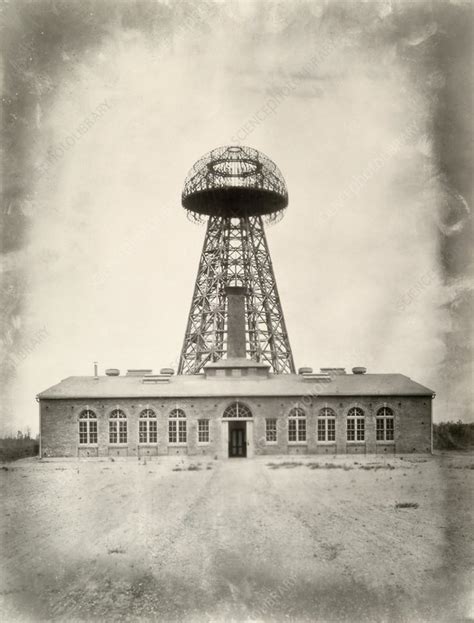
(237, 440)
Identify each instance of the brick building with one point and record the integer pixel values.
(236, 393)
(235, 408)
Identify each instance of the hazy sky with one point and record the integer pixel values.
(365, 107)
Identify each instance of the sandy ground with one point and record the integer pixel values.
(269, 539)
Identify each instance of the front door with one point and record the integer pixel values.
(237, 439)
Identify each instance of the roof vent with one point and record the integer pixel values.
(359, 370)
(333, 371)
(168, 371)
(319, 377)
(112, 372)
(156, 378)
(305, 370)
(139, 372)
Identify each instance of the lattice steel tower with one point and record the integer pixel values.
(235, 189)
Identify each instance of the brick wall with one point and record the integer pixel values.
(60, 428)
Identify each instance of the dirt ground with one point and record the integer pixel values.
(267, 539)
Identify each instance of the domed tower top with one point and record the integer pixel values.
(235, 181)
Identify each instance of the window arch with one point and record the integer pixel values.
(355, 424)
(237, 410)
(87, 427)
(118, 432)
(385, 424)
(326, 424)
(147, 427)
(177, 427)
(297, 425)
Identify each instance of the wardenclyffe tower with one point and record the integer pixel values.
(235, 189)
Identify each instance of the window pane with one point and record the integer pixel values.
(302, 430)
(172, 432)
(182, 431)
(321, 429)
(331, 428)
(152, 432)
(92, 432)
(351, 429)
(271, 430)
(112, 432)
(291, 430)
(360, 429)
(142, 432)
(203, 431)
(380, 429)
(123, 431)
(389, 429)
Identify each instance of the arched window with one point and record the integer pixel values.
(297, 425)
(147, 427)
(355, 425)
(117, 427)
(237, 410)
(385, 424)
(87, 427)
(177, 431)
(326, 425)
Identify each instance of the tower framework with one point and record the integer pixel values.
(235, 253)
(235, 189)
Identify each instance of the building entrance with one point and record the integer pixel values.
(237, 439)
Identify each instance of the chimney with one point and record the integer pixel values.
(236, 341)
(96, 373)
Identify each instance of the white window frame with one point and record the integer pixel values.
(148, 418)
(177, 421)
(326, 415)
(386, 415)
(357, 416)
(86, 418)
(237, 410)
(120, 423)
(206, 432)
(274, 421)
(297, 416)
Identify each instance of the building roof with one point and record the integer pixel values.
(236, 362)
(198, 385)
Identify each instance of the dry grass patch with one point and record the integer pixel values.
(284, 465)
(376, 467)
(329, 466)
(116, 550)
(407, 505)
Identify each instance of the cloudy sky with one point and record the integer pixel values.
(365, 107)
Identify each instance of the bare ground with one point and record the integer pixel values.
(312, 539)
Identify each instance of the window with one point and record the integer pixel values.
(203, 431)
(384, 424)
(117, 427)
(271, 431)
(177, 432)
(297, 425)
(87, 427)
(355, 425)
(237, 410)
(326, 425)
(147, 427)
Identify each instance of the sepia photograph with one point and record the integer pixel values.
(237, 311)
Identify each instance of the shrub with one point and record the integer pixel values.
(12, 449)
(453, 435)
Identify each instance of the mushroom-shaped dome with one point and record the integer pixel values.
(235, 181)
